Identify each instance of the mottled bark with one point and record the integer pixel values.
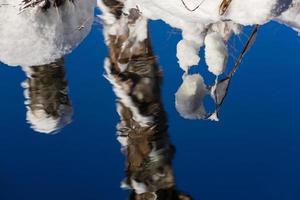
(48, 87)
(47, 92)
(133, 70)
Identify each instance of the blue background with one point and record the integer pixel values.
(252, 153)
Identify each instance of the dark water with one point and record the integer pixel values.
(252, 153)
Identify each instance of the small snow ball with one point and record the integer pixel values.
(190, 96)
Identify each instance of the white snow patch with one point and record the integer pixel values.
(291, 17)
(190, 96)
(41, 121)
(195, 25)
(203, 27)
(139, 188)
(33, 37)
(216, 53)
(214, 117)
(187, 54)
(123, 140)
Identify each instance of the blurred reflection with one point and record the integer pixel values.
(53, 29)
(46, 90)
(133, 71)
(44, 4)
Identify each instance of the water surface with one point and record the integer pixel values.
(252, 153)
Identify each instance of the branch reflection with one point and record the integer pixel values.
(136, 78)
(48, 105)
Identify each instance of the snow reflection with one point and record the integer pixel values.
(37, 32)
(55, 27)
(46, 91)
(146, 146)
(134, 73)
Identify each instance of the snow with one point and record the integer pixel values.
(197, 26)
(214, 117)
(216, 53)
(32, 37)
(190, 96)
(291, 17)
(139, 188)
(210, 26)
(248, 12)
(41, 122)
(187, 54)
(36, 37)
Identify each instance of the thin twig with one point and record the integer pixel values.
(233, 70)
(244, 51)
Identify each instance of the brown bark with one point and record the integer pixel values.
(148, 150)
(47, 90)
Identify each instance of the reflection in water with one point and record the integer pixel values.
(46, 90)
(44, 4)
(142, 132)
(53, 29)
(190, 97)
(59, 25)
(193, 90)
(37, 32)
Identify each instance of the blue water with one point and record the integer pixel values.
(252, 153)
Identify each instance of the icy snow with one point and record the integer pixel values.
(190, 96)
(41, 122)
(206, 19)
(292, 16)
(248, 12)
(216, 53)
(35, 37)
(207, 27)
(187, 54)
